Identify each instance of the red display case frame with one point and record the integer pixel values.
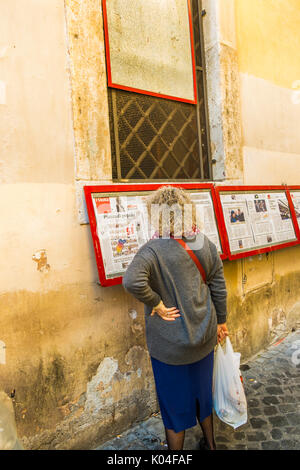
(290, 189)
(147, 92)
(258, 251)
(119, 188)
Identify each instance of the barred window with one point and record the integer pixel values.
(157, 139)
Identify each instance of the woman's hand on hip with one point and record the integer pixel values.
(222, 332)
(167, 314)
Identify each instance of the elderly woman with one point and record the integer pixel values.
(185, 312)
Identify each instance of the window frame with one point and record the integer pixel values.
(200, 71)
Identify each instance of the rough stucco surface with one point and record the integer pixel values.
(223, 90)
(261, 308)
(83, 373)
(77, 360)
(231, 114)
(215, 112)
(89, 89)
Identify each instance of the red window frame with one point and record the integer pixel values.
(222, 226)
(119, 188)
(148, 92)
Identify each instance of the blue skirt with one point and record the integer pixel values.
(179, 388)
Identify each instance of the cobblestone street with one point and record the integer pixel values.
(271, 381)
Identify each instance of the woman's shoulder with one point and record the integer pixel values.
(147, 248)
(199, 242)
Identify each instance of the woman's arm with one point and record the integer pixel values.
(217, 285)
(218, 292)
(137, 281)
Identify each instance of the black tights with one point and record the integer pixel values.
(207, 426)
(175, 440)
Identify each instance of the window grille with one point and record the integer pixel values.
(157, 139)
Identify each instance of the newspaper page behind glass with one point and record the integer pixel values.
(295, 195)
(237, 221)
(206, 216)
(271, 218)
(123, 227)
(257, 220)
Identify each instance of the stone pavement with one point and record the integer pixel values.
(272, 387)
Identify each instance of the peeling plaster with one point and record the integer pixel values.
(121, 390)
(104, 390)
(223, 93)
(40, 257)
(133, 314)
(135, 357)
(85, 41)
(137, 328)
(82, 214)
(104, 375)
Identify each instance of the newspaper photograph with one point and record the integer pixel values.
(295, 195)
(256, 220)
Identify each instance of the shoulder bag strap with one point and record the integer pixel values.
(193, 256)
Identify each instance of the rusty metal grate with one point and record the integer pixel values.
(158, 139)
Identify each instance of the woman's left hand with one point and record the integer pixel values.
(167, 314)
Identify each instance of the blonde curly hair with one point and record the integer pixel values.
(172, 212)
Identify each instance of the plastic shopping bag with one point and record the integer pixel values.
(229, 398)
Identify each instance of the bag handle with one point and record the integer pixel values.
(193, 256)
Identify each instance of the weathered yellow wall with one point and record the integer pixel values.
(268, 42)
(266, 35)
(89, 90)
(222, 77)
(254, 44)
(268, 39)
(263, 298)
(75, 351)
